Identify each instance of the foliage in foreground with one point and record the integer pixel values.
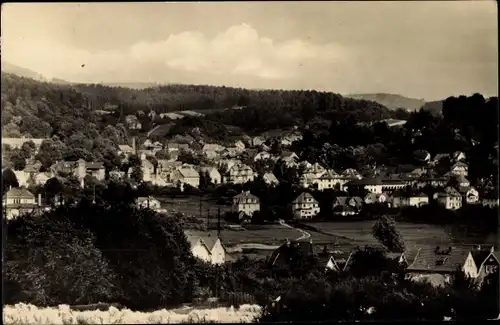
(29, 314)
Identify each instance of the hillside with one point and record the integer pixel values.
(20, 71)
(392, 101)
(49, 104)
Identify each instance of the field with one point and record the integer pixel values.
(191, 206)
(413, 234)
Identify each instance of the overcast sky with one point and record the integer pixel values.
(422, 49)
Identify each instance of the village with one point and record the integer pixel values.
(235, 163)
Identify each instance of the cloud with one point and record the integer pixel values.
(238, 50)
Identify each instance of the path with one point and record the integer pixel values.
(151, 131)
(305, 234)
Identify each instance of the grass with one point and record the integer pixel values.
(191, 206)
(413, 234)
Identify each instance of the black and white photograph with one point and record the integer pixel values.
(249, 162)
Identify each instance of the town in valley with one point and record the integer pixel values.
(273, 204)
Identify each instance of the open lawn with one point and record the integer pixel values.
(413, 234)
(191, 206)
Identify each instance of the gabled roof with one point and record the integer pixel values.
(189, 173)
(19, 193)
(480, 256)
(427, 260)
(459, 164)
(288, 251)
(302, 198)
(367, 181)
(245, 195)
(270, 177)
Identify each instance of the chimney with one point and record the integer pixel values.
(39, 199)
(478, 247)
(133, 145)
(492, 249)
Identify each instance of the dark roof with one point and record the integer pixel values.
(367, 181)
(427, 260)
(94, 165)
(480, 256)
(19, 192)
(288, 251)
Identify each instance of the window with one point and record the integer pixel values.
(490, 268)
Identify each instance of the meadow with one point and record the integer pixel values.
(414, 235)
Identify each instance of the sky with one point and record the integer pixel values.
(422, 49)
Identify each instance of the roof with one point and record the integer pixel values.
(94, 165)
(303, 198)
(427, 260)
(124, 147)
(480, 256)
(189, 173)
(287, 154)
(19, 192)
(244, 196)
(270, 177)
(367, 181)
(459, 164)
(290, 250)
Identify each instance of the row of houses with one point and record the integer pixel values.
(419, 262)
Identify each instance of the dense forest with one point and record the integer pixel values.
(48, 105)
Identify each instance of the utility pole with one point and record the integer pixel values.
(208, 219)
(218, 222)
(93, 200)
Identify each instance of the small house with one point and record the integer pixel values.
(305, 206)
(246, 202)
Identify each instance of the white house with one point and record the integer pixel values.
(329, 180)
(263, 155)
(240, 174)
(213, 174)
(450, 199)
(148, 170)
(305, 206)
(208, 249)
(470, 195)
(460, 168)
(186, 175)
(270, 179)
(18, 201)
(149, 202)
(246, 202)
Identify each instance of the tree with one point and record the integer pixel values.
(9, 179)
(51, 263)
(137, 174)
(384, 230)
(17, 159)
(162, 154)
(53, 187)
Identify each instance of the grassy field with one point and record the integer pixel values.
(413, 234)
(191, 206)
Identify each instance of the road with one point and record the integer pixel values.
(151, 131)
(305, 234)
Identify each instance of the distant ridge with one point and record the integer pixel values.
(392, 101)
(20, 71)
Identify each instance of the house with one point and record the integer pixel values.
(125, 149)
(256, 141)
(23, 178)
(459, 168)
(491, 202)
(289, 253)
(344, 210)
(132, 122)
(315, 169)
(353, 201)
(401, 199)
(117, 174)
(262, 156)
(351, 173)
(450, 198)
(240, 174)
(212, 147)
(246, 202)
(393, 184)
(469, 194)
(290, 158)
(458, 156)
(480, 262)
(186, 175)
(305, 206)
(42, 178)
(373, 198)
(431, 261)
(461, 181)
(229, 152)
(149, 202)
(16, 143)
(240, 145)
(329, 180)
(148, 170)
(270, 179)
(95, 169)
(207, 248)
(18, 201)
(373, 185)
(213, 174)
(175, 146)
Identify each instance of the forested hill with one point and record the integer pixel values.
(392, 101)
(47, 104)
